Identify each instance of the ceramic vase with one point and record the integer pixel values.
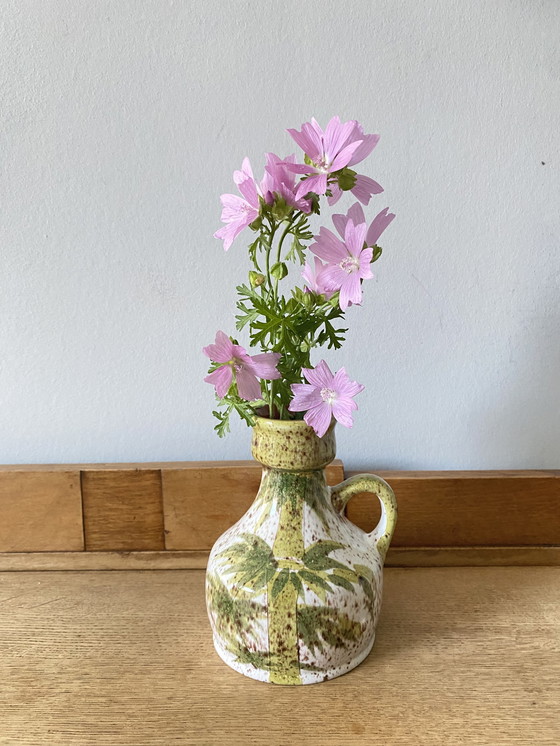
(293, 589)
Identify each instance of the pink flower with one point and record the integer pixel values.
(356, 215)
(235, 362)
(281, 181)
(326, 395)
(314, 279)
(239, 212)
(348, 262)
(328, 151)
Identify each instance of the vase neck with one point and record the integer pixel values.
(292, 488)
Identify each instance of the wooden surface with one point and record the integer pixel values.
(40, 511)
(462, 656)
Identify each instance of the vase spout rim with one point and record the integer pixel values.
(292, 445)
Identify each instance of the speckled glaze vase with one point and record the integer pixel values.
(293, 589)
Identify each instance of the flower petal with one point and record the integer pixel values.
(221, 379)
(364, 188)
(380, 222)
(366, 146)
(342, 411)
(305, 397)
(299, 168)
(319, 418)
(336, 134)
(222, 349)
(350, 291)
(320, 376)
(247, 385)
(264, 365)
(333, 277)
(229, 233)
(356, 214)
(245, 173)
(354, 237)
(340, 223)
(316, 183)
(328, 247)
(344, 387)
(336, 194)
(343, 158)
(308, 140)
(248, 189)
(365, 272)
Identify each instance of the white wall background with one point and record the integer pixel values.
(121, 124)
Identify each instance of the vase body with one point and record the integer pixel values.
(293, 589)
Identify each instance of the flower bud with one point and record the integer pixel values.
(279, 270)
(307, 300)
(280, 208)
(255, 279)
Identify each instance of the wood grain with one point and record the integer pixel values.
(470, 508)
(193, 559)
(122, 510)
(463, 656)
(144, 560)
(40, 512)
(199, 504)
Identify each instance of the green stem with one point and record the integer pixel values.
(287, 230)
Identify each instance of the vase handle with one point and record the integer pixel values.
(383, 533)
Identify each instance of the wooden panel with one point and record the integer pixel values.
(200, 503)
(462, 656)
(124, 466)
(470, 508)
(198, 559)
(122, 510)
(40, 512)
(143, 560)
(124, 507)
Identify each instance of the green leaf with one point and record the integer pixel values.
(341, 581)
(364, 571)
(318, 627)
(296, 582)
(346, 179)
(296, 252)
(250, 561)
(347, 573)
(321, 548)
(377, 251)
(316, 557)
(315, 583)
(280, 581)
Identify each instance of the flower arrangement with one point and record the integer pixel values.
(280, 382)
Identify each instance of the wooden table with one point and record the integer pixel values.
(125, 658)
